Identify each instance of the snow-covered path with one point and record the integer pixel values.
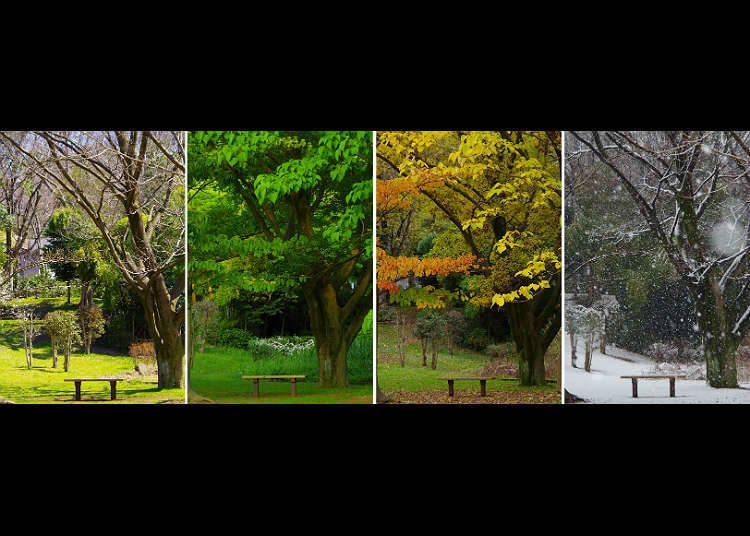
(603, 384)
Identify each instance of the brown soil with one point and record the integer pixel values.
(472, 396)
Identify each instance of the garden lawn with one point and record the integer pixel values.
(414, 383)
(216, 377)
(45, 385)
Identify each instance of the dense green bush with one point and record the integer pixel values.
(477, 339)
(235, 337)
(387, 314)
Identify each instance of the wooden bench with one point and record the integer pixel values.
(291, 377)
(482, 382)
(670, 377)
(112, 385)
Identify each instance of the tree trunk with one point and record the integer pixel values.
(401, 322)
(450, 343)
(66, 355)
(720, 345)
(53, 342)
(9, 262)
(433, 366)
(164, 328)
(423, 341)
(334, 329)
(87, 295)
(380, 397)
(573, 355)
(587, 354)
(603, 339)
(68, 292)
(27, 342)
(530, 343)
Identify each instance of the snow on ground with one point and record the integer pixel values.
(603, 384)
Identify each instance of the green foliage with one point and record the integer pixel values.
(64, 324)
(235, 338)
(92, 324)
(430, 324)
(6, 219)
(386, 314)
(425, 244)
(204, 319)
(71, 232)
(271, 172)
(477, 339)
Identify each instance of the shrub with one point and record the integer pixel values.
(660, 351)
(386, 314)
(235, 337)
(499, 351)
(477, 339)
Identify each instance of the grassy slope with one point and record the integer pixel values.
(413, 377)
(216, 376)
(44, 384)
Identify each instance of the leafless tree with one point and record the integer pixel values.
(131, 185)
(692, 189)
(26, 203)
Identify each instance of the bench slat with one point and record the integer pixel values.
(479, 378)
(93, 379)
(667, 376)
(275, 377)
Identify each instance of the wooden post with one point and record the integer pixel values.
(450, 387)
(78, 389)
(256, 388)
(482, 387)
(294, 386)
(671, 386)
(635, 387)
(113, 389)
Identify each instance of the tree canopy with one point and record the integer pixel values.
(501, 193)
(297, 219)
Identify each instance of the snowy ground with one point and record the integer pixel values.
(603, 384)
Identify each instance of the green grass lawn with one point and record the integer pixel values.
(43, 384)
(216, 377)
(413, 377)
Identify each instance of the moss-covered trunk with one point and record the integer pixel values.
(720, 345)
(334, 333)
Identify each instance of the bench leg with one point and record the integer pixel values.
(671, 387)
(482, 387)
(635, 387)
(450, 387)
(78, 390)
(256, 388)
(113, 390)
(294, 386)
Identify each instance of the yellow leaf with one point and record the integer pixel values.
(498, 300)
(544, 283)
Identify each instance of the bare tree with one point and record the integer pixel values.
(25, 205)
(692, 189)
(30, 331)
(131, 184)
